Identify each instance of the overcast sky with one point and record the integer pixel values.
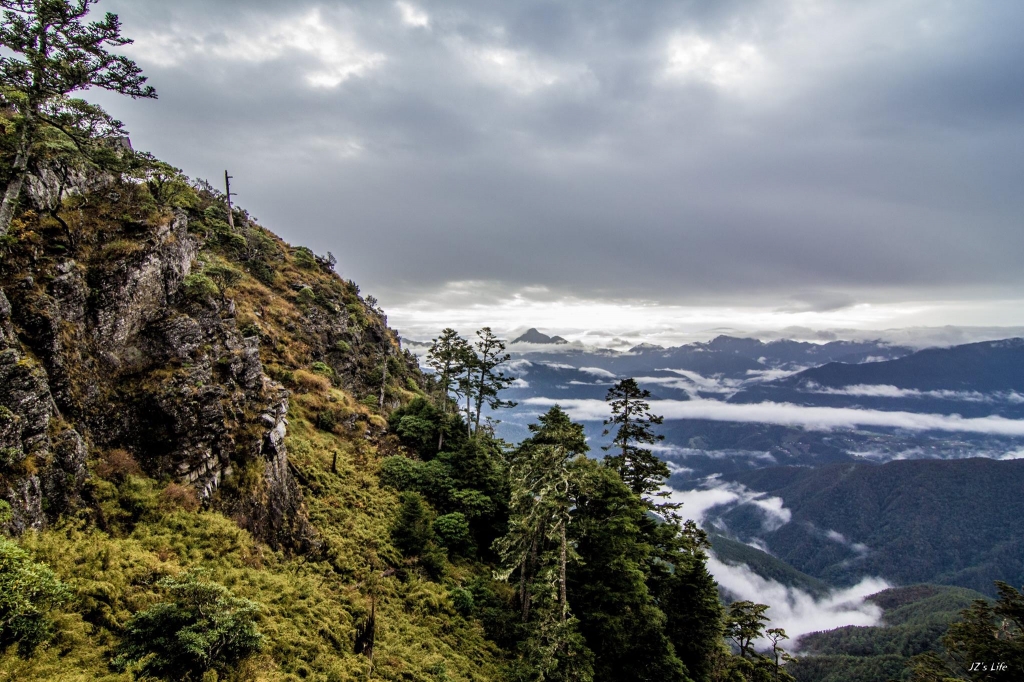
(650, 167)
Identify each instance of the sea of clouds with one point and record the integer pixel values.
(787, 414)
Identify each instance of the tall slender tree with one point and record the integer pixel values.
(544, 487)
(488, 378)
(449, 357)
(52, 53)
(632, 420)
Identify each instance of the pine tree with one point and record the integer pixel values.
(55, 53)
(490, 355)
(449, 357)
(544, 488)
(639, 468)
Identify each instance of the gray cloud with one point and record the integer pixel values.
(792, 155)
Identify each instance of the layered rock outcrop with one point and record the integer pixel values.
(113, 354)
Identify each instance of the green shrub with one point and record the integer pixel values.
(304, 258)
(306, 296)
(327, 420)
(224, 274)
(262, 271)
(343, 347)
(413, 534)
(202, 628)
(462, 599)
(28, 590)
(400, 472)
(249, 330)
(323, 369)
(453, 531)
(199, 287)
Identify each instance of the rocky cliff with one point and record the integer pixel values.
(164, 334)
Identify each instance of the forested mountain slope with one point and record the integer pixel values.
(914, 620)
(950, 522)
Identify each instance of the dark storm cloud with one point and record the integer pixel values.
(807, 155)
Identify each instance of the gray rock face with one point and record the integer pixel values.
(36, 453)
(120, 355)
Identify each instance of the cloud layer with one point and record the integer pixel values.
(787, 414)
(795, 610)
(788, 162)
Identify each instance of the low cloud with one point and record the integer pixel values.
(889, 391)
(693, 383)
(671, 450)
(598, 372)
(810, 418)
(797, 611)
(776, 514)
(698, 502)
(836, 536)
(940, 453)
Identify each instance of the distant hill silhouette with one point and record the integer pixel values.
(534, 336)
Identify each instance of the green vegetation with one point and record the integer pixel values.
(915, 618)
(922, 520)
(201, 628)
(640, 468)
(55, 53)
(28, 591)
(987, 643)
(390, 536)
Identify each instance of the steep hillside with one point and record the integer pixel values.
(176, 393)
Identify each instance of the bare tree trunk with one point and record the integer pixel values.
(480, 395)
(526, 569)
(14, 186)
(469, 413)
(384, 381)
(561, 576)
(227, 195)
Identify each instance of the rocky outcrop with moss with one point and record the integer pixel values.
(164, 333)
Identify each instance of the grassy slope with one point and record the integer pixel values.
(311, 605)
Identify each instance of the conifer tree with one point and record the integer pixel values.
(52, 53)
(489, 380)
(639, 468)
(449, 357)
(544, 487)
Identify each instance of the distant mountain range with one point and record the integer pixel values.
(792, 383)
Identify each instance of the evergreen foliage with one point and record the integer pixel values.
(487, 379)
(416, 507)
(203, 627)
(53, 52)
(987, 643)
(632, 420)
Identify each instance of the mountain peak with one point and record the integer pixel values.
(534, 336)
(641, 347)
